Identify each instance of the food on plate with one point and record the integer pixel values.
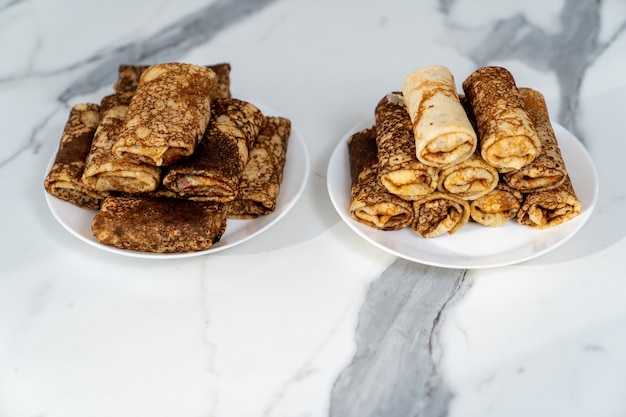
(216, 168)
(497, 206)
(399, 169)
(263, 174)
(489, 154)
(128, 79)
(104, 171)
(548, 169)
(443, 133)
(439, 213)
(167, 115)
(159, 225)
(64, 178)
(370, 202)
(544, 209)
(508, 139)
(169, 157)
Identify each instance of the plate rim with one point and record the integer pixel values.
(454, 260)
(302, 169)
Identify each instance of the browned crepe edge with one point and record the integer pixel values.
(159, 225)
(396, 150)
(64, 178)
(366, 191)
(548, 169)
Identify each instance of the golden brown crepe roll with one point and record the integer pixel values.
(468, 179)
(216, 168)
(370, 202)
(168, 114)
(106, 172)
(496, 207)
(549, 208)
(547, 170)
(128, 79)
(399, 170)
(159, 225)
(443, 133)
(263, 174)
(507, 136)
(64, 179)
(439, 213)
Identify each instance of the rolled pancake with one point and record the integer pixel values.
(128, 79)
(216, 168)
(399, 170)
(159, 225)
(469, 179)
(106, 172)
(544, 209)
(439, 213)
(64, 179)
(168, 114)
(507, 136)
(547, 170)
(496, 207)
(263, 174)
(370, 202)
(443, 133)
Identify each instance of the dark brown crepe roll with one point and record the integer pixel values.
(496, 207)
(549, 208)
(128, 79)
(507, 137)
(216, 168)
(263, 174)
(159, 225)
(168, 114)
(399, 169)
(106, 172)
(439, 213)
(370, 202)
(64, 179)
(548, 169)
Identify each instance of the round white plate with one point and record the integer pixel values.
(473, 246)
(78, 220)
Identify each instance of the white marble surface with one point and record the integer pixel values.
(308, 319)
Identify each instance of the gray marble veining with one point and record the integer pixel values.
(168, 44)
(568, 52)
(394, 370)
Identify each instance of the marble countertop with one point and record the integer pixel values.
(308, 319)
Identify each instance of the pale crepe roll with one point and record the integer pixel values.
(216, 168)
(159, 225)
(544, 209)
(64, 179)
(443, 133)
(106, 172)
(508, 138)
(439, 213)
(399, 170)
(547, 170)
(469, 179)
(128, 79)
(370, 203)
(168, 114)
(263, 174)
(496, 207)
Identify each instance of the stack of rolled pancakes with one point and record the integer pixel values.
(168, 158)
(434, 159)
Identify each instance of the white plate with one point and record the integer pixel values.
(78, 220)
(473, 246)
